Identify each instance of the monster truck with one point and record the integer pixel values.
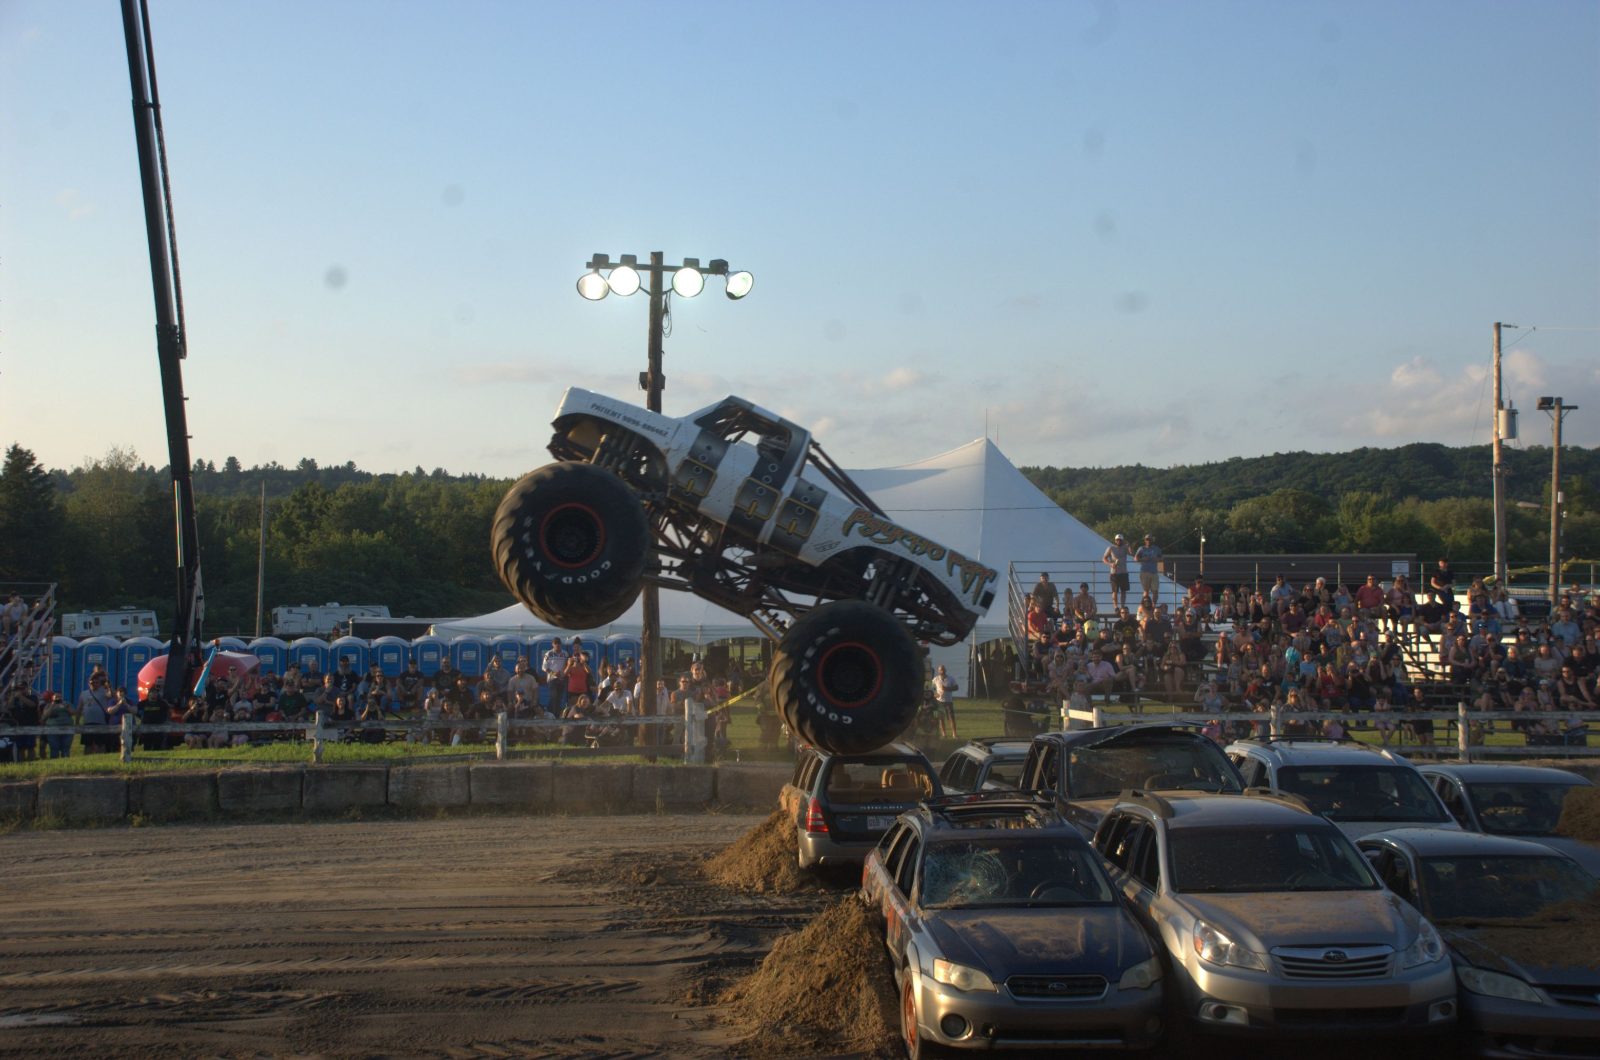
(740, 507)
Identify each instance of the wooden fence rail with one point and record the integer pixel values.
(1276, 721)
(320, 730)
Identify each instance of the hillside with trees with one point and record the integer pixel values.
(418, 541)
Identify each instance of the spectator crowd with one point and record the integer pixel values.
(562, 684)
(1368, 649)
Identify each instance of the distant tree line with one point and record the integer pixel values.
(419, 541)
(1429, 499)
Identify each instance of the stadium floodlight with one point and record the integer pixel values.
(624, 280)
(687, 280)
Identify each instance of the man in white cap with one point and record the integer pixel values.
(1116, 557)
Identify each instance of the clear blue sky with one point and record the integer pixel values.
(1151, 232)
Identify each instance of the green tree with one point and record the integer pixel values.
(30, 519)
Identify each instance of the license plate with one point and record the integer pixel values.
(879, 824)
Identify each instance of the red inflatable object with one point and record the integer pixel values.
(229, 664)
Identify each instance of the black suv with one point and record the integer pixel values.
(1087, 769)
(984, 764)
(842, 804)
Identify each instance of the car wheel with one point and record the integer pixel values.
(571, 540)
(847, 677)
(917, 1047)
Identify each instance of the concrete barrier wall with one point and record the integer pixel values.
(170, 796)
(334, 789)
(521, 786)
(751, 787)
(83, 800)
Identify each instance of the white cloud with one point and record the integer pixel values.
(1416, 373)
(72, 204)
(1521, 368)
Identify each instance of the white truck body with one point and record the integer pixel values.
(307, 620)
(769, 498)
(122, 623)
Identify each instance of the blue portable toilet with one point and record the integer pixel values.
(623, 646)
(238, 644)
(352, 648)
(58, 674)
(136, 651)
(510, 647)
(303, 651)
(96, 651)
(273, 653)
(470, 653)
(391, 654)
(429, 652)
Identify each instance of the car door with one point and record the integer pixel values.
(1251, 768)
(900, 918)
(1397, 873)
(875, 873)
(795, 794)
(1455, 800)
(1144, 868)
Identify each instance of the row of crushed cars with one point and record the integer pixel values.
(1123, 887)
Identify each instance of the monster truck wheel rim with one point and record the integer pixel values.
(572, 535)
(849, 674)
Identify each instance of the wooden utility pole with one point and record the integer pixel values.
(261, 562)
(1555, 509)
(654, 381)
(1499, 471)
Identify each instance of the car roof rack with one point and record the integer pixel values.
(988, 800)
(1270, 740)
(1149, 800)
(988, 742)
(1286, 797)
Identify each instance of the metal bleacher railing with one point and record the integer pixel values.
(25, 653)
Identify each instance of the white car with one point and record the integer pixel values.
(740, 507)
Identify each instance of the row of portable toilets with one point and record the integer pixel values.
(72, 661)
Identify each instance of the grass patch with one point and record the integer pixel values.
(974, 717)
(288, 753)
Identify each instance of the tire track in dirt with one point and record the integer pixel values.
(520, 937)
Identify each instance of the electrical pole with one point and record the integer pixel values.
(261, 562)
(1499, 472)
(1557, 410)
(650, 596)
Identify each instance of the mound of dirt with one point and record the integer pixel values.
(1580, 815)
(762, 860)
(827, 987)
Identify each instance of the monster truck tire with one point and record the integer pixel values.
(847, 677)
(571, 540)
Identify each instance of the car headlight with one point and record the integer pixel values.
(1428, 948)
(1216, 948)
(961, 977)
(1494, 984)
(1141, 976)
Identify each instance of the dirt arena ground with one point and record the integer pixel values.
(464, 937)
(610, 937)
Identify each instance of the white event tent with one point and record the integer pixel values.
(971, 499)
